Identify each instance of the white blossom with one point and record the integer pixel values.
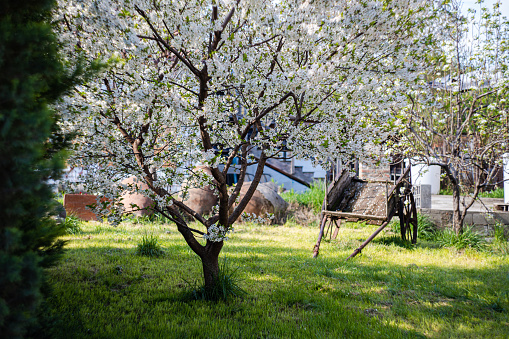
(318, 76)
(217, 233)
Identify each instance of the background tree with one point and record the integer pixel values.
(462, 125)
(203, 83)
(31, 76)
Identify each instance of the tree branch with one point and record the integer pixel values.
(249, 194)
(191, 67)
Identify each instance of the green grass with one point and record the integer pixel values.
(499, 243)
(426, 230)
(154, 218)
(312, 197)
(496, 193)
(149, 246)
(226, 286)
(72, 225)
(102, 289)
(467, 239)
(445, 191)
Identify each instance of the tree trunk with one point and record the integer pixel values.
(209, 254)
(457, 221)
(457, 218)
(210, 262)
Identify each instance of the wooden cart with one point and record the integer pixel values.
(375, 202)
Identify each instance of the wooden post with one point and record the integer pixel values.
(320, 235)
(386, 200)
(358, 250)
(316, 249)
(335, 234)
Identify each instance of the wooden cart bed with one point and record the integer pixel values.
(375, 202)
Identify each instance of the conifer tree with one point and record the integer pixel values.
(32, 76)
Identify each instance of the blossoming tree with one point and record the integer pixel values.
(205, 82)
(460, 122)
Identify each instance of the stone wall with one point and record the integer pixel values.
(481, 222)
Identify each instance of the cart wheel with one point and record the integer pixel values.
(402, 218)
(408, 218)
(413, 218)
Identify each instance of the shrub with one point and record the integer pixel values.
(312, 197)
(149, 246)
(468, 239)
(32, 76)
(225, 287)
(426, 230)
(496, 193)
(72, 225)
(499, 235)
(500, 243)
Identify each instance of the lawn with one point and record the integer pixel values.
(103, 289)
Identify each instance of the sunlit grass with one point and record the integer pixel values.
(102, 289)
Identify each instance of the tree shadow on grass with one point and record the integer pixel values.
(394, 240)
(94, 298)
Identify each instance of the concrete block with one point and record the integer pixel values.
(469, 219)
(481, 219)
(443, 218)
(436, 216)
(501, 217)
(484, 230)
(425, 194)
